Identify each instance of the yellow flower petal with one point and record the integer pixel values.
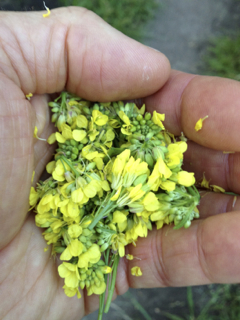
(79, 135)
(74, 230)
(52, 138)
(59, 137)
(118, 217)
(157, 118)
(29, 96)
(82, 121)
(50, 166)
(99, 118)
(136, 271)
(217, 188)
(75, 248)
(199, 124)
(45, 15)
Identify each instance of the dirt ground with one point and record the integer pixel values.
(181, 30)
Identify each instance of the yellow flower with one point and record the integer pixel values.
(136, 271)
(129, 257)
(168, 185)
(70, 292)
(59, 171)
(118, 217)
(157, 118)
(198, 125)
(132, 170)
(119, 242)
(74, 249)
(70, 273)
(186, 178)
(118, 167)
(99, 118)
(74, 230)
(151, 202)
(127, 126)
(92, 255)
(175, 153)
(33, 197)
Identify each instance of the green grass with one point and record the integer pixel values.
(128, 16)
(223, 304)
(223, 58)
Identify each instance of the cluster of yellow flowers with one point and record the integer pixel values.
(116, 172)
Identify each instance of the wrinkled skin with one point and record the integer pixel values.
(76, 50)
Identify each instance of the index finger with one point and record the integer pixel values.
(186, 98)
(75, 49)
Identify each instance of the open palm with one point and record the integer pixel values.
(76, 50)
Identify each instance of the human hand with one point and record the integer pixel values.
(208, 251)
(76, 50)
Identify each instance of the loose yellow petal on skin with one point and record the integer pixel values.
(136, 271)
(129, 257)
(33, 174)
(228, 151)
(199, 124)
(205, 183)
(29, 95)
(46, 249)
(217, 188)
(48, 11)
(35, 132)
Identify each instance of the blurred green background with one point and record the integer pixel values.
(197, 36)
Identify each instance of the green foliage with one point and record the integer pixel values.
(223, 304)
(223, 58)
(128, 16)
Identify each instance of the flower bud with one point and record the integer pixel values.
(61, 120)
(104, 247)
(149, 160)
(157, 153)
(141, 179)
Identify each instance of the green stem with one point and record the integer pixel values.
(63, 102)
(112, 285)
(102, 296)
(70, 165)
(103, 213)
